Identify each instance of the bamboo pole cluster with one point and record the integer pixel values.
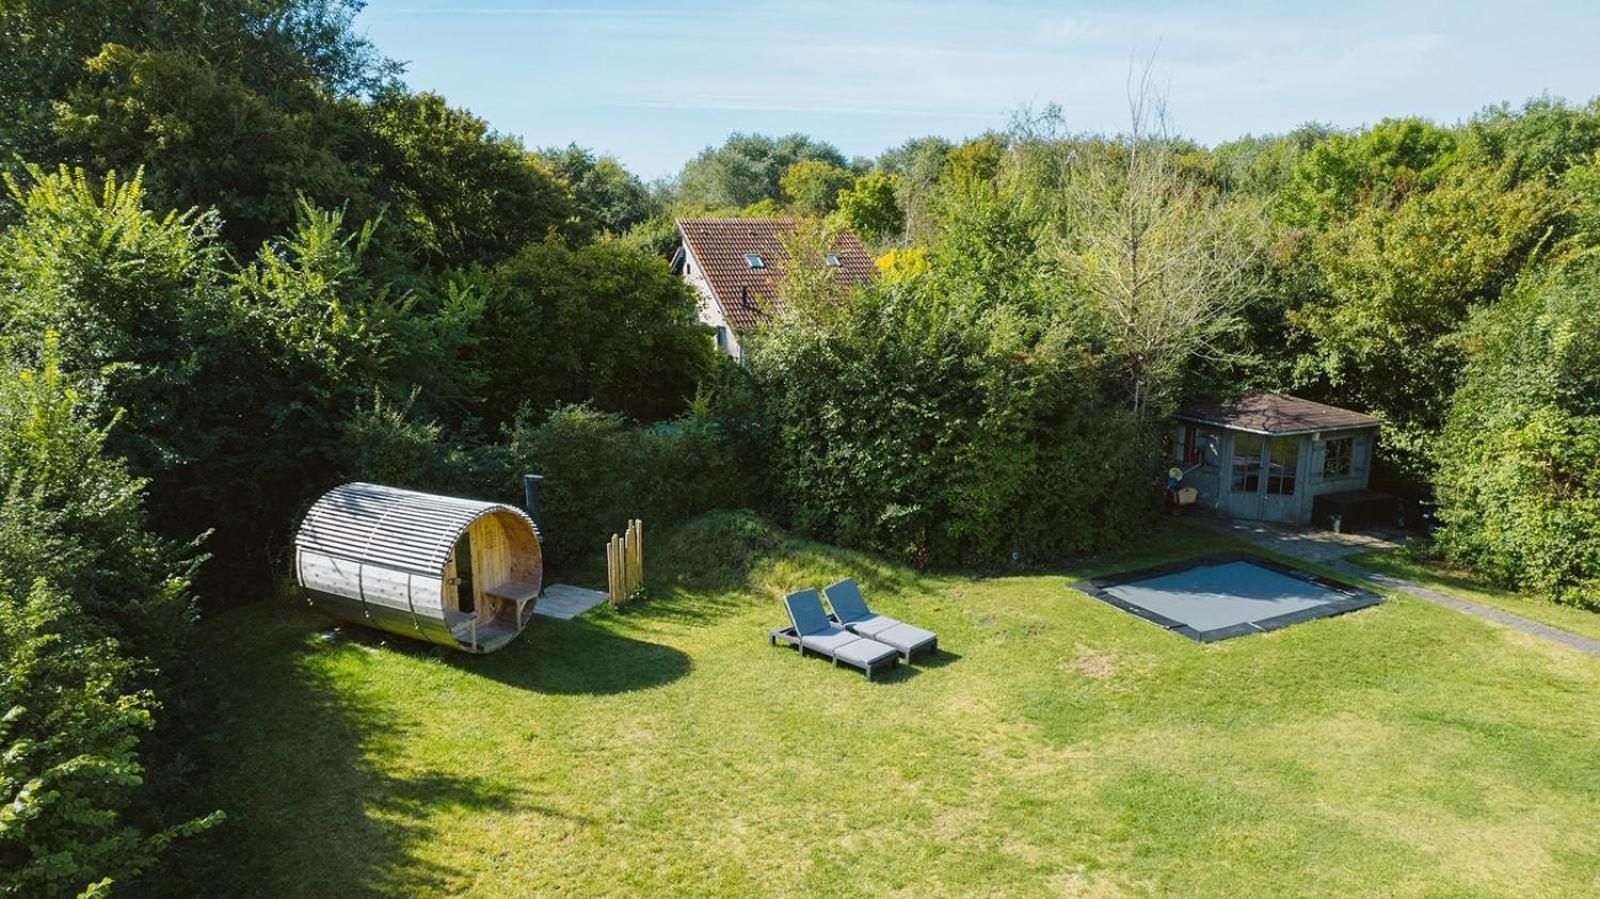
(625, 563)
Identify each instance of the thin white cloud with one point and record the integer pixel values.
(650, 77)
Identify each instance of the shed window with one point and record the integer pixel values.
(1197, 446)
(754, 261)
(1246, 463)
(1281, 468)
(832, 260)
(1338, 459)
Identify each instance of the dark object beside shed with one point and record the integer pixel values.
(1356, 509)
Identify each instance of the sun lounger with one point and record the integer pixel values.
(851, 613)
(810, 629)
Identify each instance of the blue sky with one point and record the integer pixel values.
(653, 83)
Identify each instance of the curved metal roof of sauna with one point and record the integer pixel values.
(400, 529)
(377, 554)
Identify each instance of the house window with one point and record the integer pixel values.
(722, 338)
(754, 261)
(1339, 457)
(832, 260)
(1285, 458)
(1246, 463)
(688, 267)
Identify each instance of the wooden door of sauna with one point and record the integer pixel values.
(487, 557)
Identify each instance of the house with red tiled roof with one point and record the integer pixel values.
(1271, 457)
(736, 264)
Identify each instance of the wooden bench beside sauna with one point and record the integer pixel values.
(458, 572)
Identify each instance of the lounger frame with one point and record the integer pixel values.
(787, 634)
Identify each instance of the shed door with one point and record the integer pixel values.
(1245, 475)
(1265, 477)
(1281, 479)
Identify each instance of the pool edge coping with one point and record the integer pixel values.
(1356, 597)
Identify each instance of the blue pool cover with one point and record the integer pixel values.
(1226, 596)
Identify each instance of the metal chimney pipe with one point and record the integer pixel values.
(530, 499)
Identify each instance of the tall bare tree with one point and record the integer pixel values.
(1163, 259)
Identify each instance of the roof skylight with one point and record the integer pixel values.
(754, 261)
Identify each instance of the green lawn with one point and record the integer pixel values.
(1060, 746)
(1463, 584)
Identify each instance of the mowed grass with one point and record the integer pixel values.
(1441, 576)
(1059, 747)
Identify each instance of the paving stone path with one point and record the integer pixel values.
(566, 602)
(1330, 550)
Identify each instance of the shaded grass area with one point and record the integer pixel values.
(1442, 577)
(1061, 746)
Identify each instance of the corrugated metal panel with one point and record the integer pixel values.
(397, 529)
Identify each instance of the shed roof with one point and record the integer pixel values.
(400, 529)
(719, 247)
(1275, 414)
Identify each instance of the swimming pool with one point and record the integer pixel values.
(1218, 597)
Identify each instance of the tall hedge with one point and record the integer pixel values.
(958, 416)
(90, 602)
(1519, 459)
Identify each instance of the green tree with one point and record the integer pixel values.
(1393, 286)
(89, 599)
(1263, 166)
(1377, 167)
(604, 192)
(207, 139)
(871, 209)
(747, 169)
(917, 165)
(950, 416)
(603, 323)
(811, 186)
(1541, 139)
(274, 45)
(232, 384)
(137, 299)
(465, 194)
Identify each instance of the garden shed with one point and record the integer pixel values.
(1268, 457)
(458, 572)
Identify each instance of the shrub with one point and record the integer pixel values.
(956, 413)
(88, 600)
(1518, 480)
(387, 444)
(716, 549)
(70, 766)
(601, 469)
(605, 323)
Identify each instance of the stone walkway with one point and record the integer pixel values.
(1331, 551)
(566, 602)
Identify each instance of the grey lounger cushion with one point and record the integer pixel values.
(906, 638)
(816, 633)
(828, 643)
(865, 653)
(806, 614)
(851, 610)
(872, 625)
